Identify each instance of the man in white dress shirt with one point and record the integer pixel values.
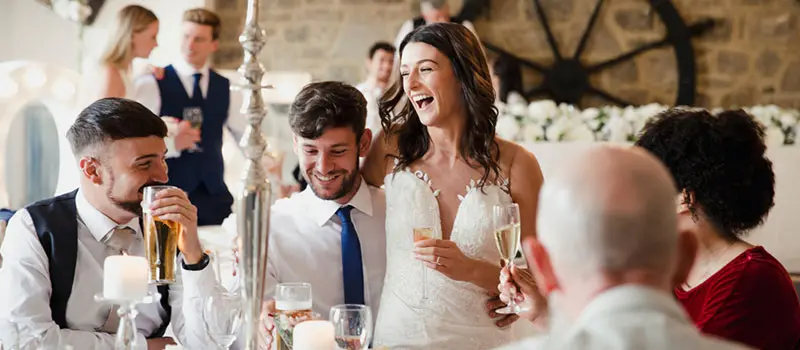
(55, 249)
(332, 234)
(431, 11)
(195, 150)
(380, 61)
(610, 249)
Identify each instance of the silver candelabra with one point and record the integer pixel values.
(252, 207)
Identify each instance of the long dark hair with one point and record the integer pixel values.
(478, 144)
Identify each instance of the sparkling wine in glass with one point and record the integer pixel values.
(194, 115)
(507, 229)
(421, 234)
(222, 316)
(292, 306)
(352, 326)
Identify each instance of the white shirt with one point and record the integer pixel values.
(372, 94)
(408, 26)
(26, 288)
(628, 318)
(148, 94)
(305, 245)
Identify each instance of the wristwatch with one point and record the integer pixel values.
(199, 266)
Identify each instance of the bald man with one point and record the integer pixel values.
(609, 248)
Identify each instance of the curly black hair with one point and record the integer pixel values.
(718, 161)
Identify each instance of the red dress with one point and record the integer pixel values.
(751, 300)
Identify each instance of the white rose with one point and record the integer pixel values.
(542, 110)
(774, 137)
(579, 132)
(555, 132)
(590, 114)
(532, 132)
(593, 124)
(618, 129)
(507, 127)
(515, 98)
(517, 109)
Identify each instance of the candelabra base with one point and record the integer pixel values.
(126, 331)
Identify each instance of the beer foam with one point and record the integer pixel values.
(286, 305)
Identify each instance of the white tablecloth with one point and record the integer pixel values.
(778, 234)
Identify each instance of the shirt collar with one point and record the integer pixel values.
(183, 68)
(632, 297)
(322, 210)
(96, 222)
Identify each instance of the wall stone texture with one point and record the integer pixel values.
(750, 57)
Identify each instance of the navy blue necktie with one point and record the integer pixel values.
(197, 94)
(352, 269)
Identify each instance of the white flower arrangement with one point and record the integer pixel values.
(546, 121)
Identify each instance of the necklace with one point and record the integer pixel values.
(708, 266)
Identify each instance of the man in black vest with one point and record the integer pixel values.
(431, 11)
(54, 249)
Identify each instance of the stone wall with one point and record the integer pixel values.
(750, 57)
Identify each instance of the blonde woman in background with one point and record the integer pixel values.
(134, 37)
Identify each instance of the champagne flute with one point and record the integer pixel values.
(292, 306)
(424, 229)
(194, 115)
(352, 326)
(507, 229)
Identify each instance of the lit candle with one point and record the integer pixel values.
(125, 277)
(313, 335)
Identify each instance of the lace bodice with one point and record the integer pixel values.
(453, 317)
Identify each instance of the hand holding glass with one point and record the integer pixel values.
(507, 229)
(160, 240)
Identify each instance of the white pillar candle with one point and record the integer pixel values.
(313, 335)
(125, 277)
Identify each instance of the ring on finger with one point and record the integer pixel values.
(437, 260)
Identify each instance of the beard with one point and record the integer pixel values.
(131, 206)
(348, 182)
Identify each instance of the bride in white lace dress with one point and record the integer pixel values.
(134, 37)
(443, 167)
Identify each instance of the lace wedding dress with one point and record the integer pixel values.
(454, 315)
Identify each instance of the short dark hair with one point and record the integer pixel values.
(111, 119)
(381, 45)
(326, 105)
(204, 17)
(720, 163)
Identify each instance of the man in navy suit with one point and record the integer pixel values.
(195, 101)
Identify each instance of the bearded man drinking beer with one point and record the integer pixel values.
(54, 249)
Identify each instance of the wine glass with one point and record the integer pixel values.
(222, 316)
(507, 229)
(194, 115)
(292, 306)
(352, 325)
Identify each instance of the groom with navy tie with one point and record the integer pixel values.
(195, 101)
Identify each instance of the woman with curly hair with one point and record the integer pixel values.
(735, 290)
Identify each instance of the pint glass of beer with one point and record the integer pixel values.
(160, 240)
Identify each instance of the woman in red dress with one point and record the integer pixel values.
(735, 290)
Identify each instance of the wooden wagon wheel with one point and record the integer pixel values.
(568, 78)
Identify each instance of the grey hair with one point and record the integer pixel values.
(620, 218)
